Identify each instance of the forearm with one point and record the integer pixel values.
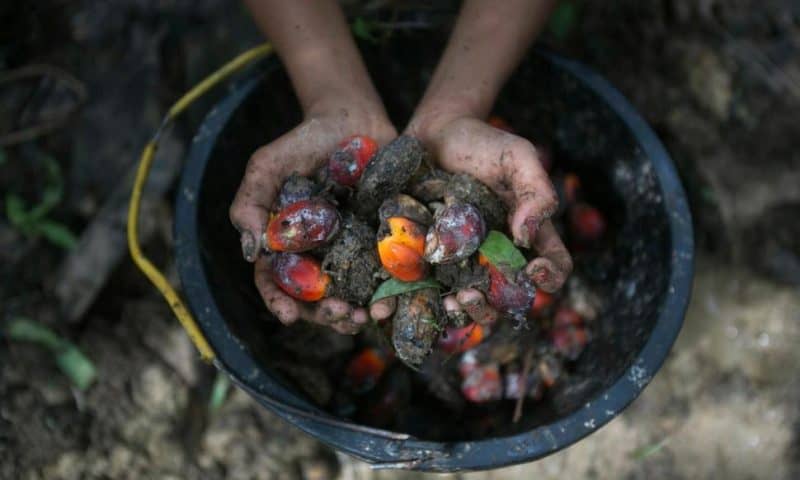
(486, 45)
(314, 42)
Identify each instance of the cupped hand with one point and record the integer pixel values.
(303, 150)
(510, 165)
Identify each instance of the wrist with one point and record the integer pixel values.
(352, 111)
(432, 116)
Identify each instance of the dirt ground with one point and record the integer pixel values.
(718, 80)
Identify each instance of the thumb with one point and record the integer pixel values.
(249, 211)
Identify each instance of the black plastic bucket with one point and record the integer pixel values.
(590, 124)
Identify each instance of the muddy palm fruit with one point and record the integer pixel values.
(352, 263)
(416, 325)
(300, 276)
(457, 232)
(466, 189)
(510, 292)
(296, 188)
(387, 174)
(401, 237)
(347, 163)
(461, 339)
(302, 225)
(402, 205)
(430, 185)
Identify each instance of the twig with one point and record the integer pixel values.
(527, 364)
(46, 126)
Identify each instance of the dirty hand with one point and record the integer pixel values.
(511, 167)
(303, 150)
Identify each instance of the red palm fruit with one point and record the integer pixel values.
(401, 248)
(572, 188)
(483, 384)
(500, 123)
(456, 340)
(457, 232)
(567, 317)
(568, 335)
(302, 226)
(468, 363)
(512, 298)
(348, 161)
(541, 303)
(300, 276)
(365, 369)
(586, 222)
(570, 341)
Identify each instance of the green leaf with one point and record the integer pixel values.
(53, 190)
(16, 212)
(500, 251)
(80, 370)
(393, 287)
(363, 30)
(3, 156)
(56, 233)
(645, 451)
(25, 330)
(76, 366)
(219, 391)
(563, 20)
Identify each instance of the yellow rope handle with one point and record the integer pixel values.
(145, 162)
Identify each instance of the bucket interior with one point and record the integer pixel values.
(543, 103)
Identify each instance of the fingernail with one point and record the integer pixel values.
(538, 274)
(248, 246)
(379, 311)
(528, 231)
(360, 317)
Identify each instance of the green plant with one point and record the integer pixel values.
(80, 370)
(365, 30)
(34, 221)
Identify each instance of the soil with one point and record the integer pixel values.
(352, 263)
(717, 80)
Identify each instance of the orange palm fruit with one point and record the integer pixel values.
(401, 246)
(365, 369)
